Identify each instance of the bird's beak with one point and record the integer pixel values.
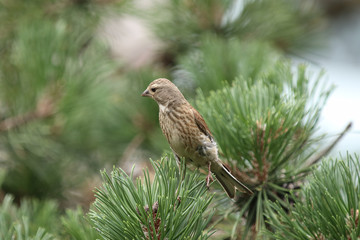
(146, 93)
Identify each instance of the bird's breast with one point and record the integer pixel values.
(178, 128)
(184, 136)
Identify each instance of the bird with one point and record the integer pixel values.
(189, 136)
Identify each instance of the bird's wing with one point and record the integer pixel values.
(200, 122)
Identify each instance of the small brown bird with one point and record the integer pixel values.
(188, 134)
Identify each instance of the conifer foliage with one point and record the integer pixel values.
(69, 108)
(165, 208)
(330, 205)
(267, 133)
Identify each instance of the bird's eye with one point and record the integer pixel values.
(153, 89)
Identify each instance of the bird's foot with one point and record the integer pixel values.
(208, 179)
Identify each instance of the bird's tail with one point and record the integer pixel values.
(229, 182)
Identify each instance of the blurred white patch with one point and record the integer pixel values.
(341, 61)
(130, 40)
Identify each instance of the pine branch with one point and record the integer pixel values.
(78, 226)
(30, 220)
(328, 208)
(152, 210)
(44, 109)
(265, 127)
(314, 159)
(132, 146)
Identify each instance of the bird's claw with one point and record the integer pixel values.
(208, 179)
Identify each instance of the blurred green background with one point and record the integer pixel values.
(72, 71)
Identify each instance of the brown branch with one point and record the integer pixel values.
(132, 146)
(324, 152)
(44, 109)
(17, 121)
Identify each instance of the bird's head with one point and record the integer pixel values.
(163, 91)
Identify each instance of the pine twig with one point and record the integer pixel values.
(132, 146)
(17, 121)
(44, 109)
(326, 151)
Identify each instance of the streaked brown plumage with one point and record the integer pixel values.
(188, 134)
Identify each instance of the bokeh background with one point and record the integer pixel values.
(72, 71)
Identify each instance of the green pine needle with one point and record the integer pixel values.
(265, 127)
(328, 207)
(32, 220)
(155, 209)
